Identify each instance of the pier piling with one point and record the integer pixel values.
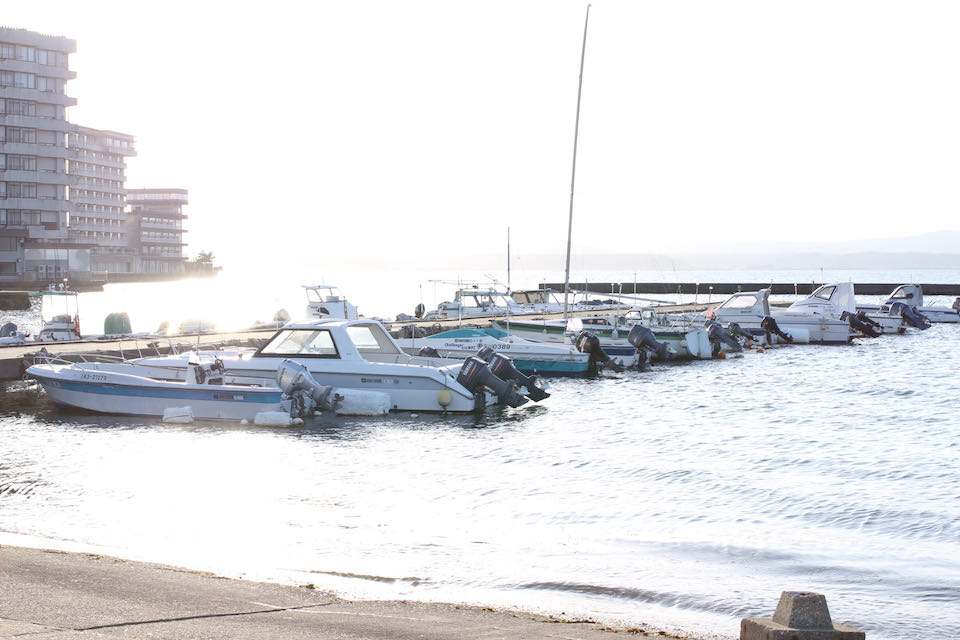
(800, 615)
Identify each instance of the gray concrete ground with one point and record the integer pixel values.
(68, 596)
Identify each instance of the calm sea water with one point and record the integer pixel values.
(685, 498)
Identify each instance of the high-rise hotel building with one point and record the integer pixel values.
(63, 204)
(34, 154)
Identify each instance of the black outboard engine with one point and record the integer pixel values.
(502, 366)
(910, 315)
(643, 339)
(586, 342)
(7, 330)
(428, 352)
(717, 334)
(859, 325)
(740, 332)
(770, 326)
(863, 317)
(475, 374)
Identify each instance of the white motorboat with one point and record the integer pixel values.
(837, 300)
(751, 311)
(613, 334)
(59, 313)
(528, 356)
(126, 388)
(325, 301)
(358, 354)
(911, 296)
(475, 302)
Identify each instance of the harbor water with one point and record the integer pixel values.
(682, 498)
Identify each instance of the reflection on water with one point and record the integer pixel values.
(689, 496)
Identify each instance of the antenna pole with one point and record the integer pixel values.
(573, 172)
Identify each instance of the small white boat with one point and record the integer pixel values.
(361, 355)
(751, 311)
(326, 301)
(911, 296)
(475, 302)
(528, 356)
(126, 388)
(837, 300)
(59, 313)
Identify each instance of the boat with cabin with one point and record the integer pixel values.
(751, 311)
(911, 296)
(357, 354)
(837, 300)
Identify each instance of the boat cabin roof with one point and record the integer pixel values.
(330, 338)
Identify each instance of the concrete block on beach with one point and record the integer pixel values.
(800, 615)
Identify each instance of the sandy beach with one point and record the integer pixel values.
(52, 594)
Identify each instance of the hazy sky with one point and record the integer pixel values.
(325, 129)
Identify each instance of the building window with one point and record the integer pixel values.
(7, 50)
(26, 54)
(25, 81)
(21, 135)
(21, 190)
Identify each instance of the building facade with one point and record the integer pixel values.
(155, 228)
(98, 217)
(35, 157)
(63, 200)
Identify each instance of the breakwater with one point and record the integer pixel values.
(776, 288)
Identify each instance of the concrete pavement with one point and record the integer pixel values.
(67, 596)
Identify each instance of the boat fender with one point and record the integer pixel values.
(643, 338)
(586, 342)
(444, 398)
(770, 326)
(858, 325)
(502, 366)
(475, 373)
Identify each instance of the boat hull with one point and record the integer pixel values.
(92, 391)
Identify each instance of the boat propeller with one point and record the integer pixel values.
(502, 366)
(586, 342)
(911, 315)
(475, 373)
(770, 326)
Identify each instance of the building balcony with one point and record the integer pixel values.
(35, 122)
(87, 199)
(37, 69)
(40, 177)
(98, 171)
(37, 149)
(161, 226)
(161, 243)
(19, 93)
(159, 197)
(38, 204)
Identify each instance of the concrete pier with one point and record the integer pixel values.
(728, 288)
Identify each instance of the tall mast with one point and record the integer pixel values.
(573, 172)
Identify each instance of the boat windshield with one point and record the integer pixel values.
(371, 338)
(745, 301)
(824, 293)
(309, 343)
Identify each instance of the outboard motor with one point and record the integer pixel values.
(770, 326)
(419, 310)
(910, 315)
(586, 342)
(863, 317)
(428, 352)
(305, 393)
(502, 367)
(859, 325)
(717, 334)
(643, 339)
(740, 332)
(475, 374)
(7, 330)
